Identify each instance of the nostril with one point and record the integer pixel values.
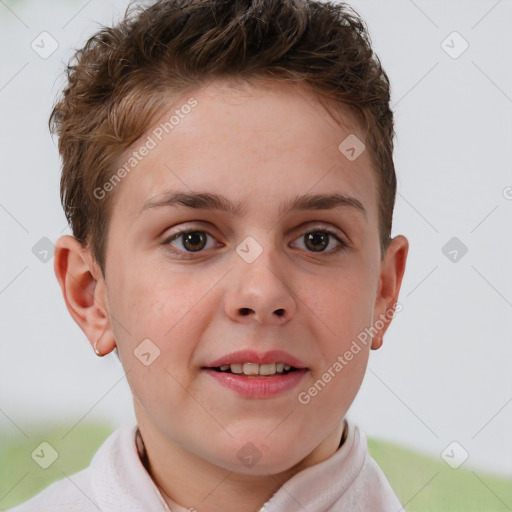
(246, 311)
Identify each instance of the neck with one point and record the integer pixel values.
(189, 481)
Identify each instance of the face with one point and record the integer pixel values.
(253, 271)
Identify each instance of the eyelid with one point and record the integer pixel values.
(312, 226)
(184, 230)
(320, 226)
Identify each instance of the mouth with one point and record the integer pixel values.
(254, 369)
(253, 375)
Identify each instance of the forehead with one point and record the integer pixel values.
(260, 145)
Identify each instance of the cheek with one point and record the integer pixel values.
(340, 308)
(158, 306)
(342, 305)
(152, 343)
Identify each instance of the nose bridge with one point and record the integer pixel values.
(261, 289)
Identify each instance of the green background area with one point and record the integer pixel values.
(422, 483)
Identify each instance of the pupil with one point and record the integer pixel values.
(317, 238)
(193, 239)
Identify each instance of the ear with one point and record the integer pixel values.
(84, 291)
(391, 274)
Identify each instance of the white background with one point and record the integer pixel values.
(443, 373)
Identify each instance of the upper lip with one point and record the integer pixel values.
(251, 356)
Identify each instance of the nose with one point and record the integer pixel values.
(261, 292)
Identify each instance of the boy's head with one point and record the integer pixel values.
(228, 174)
(125, 76)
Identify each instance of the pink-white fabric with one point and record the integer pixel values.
(116, 481)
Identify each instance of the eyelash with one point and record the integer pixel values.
(175, 236)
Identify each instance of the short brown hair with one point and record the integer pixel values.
(124, 75)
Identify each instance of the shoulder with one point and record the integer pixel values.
(106, 477)
(348, 481)
(370, 489)
(62, 495)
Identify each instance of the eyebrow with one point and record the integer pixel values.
(212, 201)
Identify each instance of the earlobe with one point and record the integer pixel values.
(392, 272)
(84, 292)
(377, 341)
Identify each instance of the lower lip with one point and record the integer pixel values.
(258, 387)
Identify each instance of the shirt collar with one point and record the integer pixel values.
(122, 481)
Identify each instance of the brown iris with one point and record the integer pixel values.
(317, 240)
(194, 240)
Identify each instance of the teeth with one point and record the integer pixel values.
(236, 368)
(267, 369)
(255, 369)
(251, 368)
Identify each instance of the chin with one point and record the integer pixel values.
(264, 466)
(251, 458)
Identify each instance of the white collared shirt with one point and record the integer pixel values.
(117, 481)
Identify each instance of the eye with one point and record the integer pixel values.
(320, 241)
(190, 241)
